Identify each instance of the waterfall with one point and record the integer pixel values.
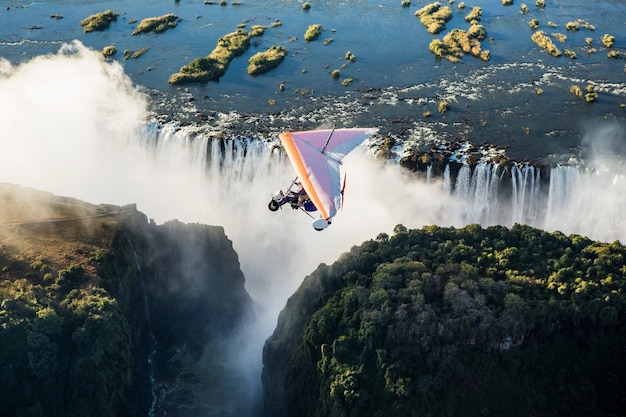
(525, 186)
(477, 193)
(587, 202)
(576, 200)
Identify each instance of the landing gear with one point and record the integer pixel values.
(273, 205)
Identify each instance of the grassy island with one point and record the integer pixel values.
(264, 61)
(475, 15)
(214, 65)
(458, 41)
(257, 30)
(544, 41)
(98, 21)
(313, 32)
(434, 17)
(156, 24)
(109, 50)
(608, 40)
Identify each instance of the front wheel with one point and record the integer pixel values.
(273, 205)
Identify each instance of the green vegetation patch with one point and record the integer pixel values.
(109, 50)
(347, 81)
(257, 30)
(569, 53)
(264, 61)
(214, 65)
(450, 52)
(458, 41)
(572, 26)
(544, 41)
(434, 17)
(591, 95)
(128, 54)
(608, 40)
(575, 89)
(474, 15)
(156, 24)
(313, 32)
(98, 21)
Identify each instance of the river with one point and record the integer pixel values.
(519, 99)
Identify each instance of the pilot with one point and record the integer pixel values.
(299, 197)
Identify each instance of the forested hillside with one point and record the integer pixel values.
(104, 313)
(455, 322)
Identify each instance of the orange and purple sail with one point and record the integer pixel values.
(316, 157)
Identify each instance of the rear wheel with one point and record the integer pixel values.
(273, 205)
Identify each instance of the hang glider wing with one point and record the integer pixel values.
(316, 157)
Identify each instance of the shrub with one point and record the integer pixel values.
(313, 32)
(212, 67)
(475, 15)
(434, 17)
(109, 50)
(573, 26)
(541, 39)
(98, 21)
(608, 40)
(156, 24)
(264, 61)
(574, 89)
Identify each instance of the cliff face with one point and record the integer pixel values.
(105, 313)
(455, 322)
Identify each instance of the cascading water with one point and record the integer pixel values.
(525, 196)
(577, 200)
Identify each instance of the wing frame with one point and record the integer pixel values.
(316, 157)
